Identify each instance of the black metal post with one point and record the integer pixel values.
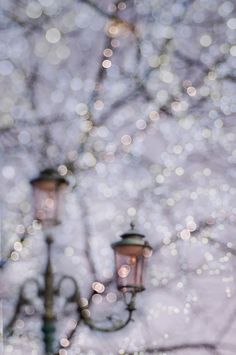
(48, 327)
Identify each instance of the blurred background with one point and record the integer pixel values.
(134, 103)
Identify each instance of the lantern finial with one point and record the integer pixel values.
(132, 225)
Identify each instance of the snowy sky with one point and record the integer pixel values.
(134, 102)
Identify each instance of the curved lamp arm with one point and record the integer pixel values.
(75, 296)
(83, 310)
(115, 325)
(22, 300)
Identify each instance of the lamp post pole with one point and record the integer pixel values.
(48, 327)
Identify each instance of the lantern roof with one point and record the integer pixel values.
(132, 232)
(131, 237)
(49, 174)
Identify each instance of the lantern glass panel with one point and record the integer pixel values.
(48, 196)
(129, 267)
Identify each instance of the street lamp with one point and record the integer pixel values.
(130, 254)
(48, 191)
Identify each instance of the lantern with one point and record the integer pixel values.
(48, 190)
(130, 254)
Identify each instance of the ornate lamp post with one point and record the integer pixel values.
(130, 254)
